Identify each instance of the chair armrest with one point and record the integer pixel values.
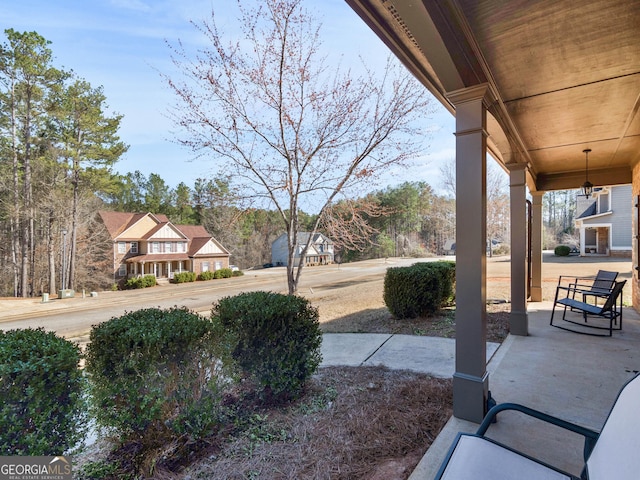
(574, 279)
(576, 288)
(590, 436)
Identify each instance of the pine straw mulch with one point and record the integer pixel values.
(353, 423)
(379, 320)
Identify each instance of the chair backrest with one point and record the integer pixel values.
(604, 281)
(615, 455)
(613, 296)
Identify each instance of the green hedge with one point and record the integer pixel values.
(274, 338)
(562, 250)
(223, 273)
(43, 411)
(156, 374)
(208, 275)
(419, 290)
(140, 282)
(184, 277)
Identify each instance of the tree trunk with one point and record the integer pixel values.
(74, 225)
(15, 212)
(51, 254)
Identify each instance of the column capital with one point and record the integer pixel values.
(515, 167)
(470, 94)
(537, 195)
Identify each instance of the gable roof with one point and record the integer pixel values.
(199, 237)
(303, 238)
(162, 225)
(118, 222)
(193, 231)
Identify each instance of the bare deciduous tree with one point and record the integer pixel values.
(284, 124)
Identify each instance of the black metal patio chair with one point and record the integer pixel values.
(610, 311)
(595, 286)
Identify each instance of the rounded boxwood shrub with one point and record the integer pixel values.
(274, 338)
(184, 277)
(562, 250)
(43, 409)
(140, 282)
(208, 275)
(133, 283)
(223, 273)
(156, 374)
(419, 290)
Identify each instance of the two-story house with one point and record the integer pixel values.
(605, 222)
(320, 251)
(149, 244)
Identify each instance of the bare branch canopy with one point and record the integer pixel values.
(286, 124)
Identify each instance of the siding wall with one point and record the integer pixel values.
(165, 232)
(279, 250)
(211, 248)
(621, 221)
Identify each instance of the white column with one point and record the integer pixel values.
(471, 380)
(536, 247)
(518, 320)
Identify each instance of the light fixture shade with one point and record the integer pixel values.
(587, 188)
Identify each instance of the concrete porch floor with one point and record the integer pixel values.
(571, 376)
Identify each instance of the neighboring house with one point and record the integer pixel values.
(320, 251)
(605, 222)
(149, 244)
(449, 247)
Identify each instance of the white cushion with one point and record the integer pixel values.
(475, 458)
(616, 455)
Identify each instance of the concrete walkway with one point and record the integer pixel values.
(432, 355)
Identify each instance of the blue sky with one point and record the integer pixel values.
(121, 45)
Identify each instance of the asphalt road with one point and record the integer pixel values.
(73, 317)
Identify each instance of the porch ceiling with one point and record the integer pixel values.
(565, 76)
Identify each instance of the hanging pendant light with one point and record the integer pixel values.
(587, 186)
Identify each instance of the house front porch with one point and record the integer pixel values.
(571, 376)
(159, 265)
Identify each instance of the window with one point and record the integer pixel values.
(134, 247)
(168, 247)
(218, 265)
(156, 247)
(180, 247)
(122, 271)
(122, 247)
(205, 266)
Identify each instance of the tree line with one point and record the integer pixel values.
(57, 145)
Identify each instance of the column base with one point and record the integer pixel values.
(536, 294)
(519, 323)
(470, 396)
